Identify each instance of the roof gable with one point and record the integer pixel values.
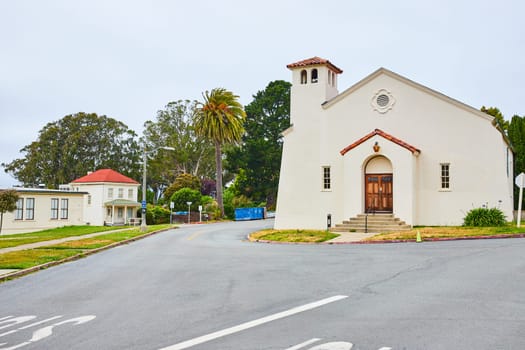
(105, 175)
(384, 71)
(383, 134)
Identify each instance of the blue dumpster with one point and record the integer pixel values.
(250, 214)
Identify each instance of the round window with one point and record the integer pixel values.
(382, 100)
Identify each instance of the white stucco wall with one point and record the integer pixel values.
(42, 212)
(445, 130)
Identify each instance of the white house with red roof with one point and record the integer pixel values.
(111, 199)
(386, 145)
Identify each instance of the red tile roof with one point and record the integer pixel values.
(384, 135)
(314, 61)
(105, 175)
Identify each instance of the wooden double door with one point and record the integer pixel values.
(379, 193)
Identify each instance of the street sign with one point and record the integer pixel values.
(143, 204)
(519, 181)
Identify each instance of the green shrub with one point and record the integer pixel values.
(184, 195)
(484, 217)
(157, 215)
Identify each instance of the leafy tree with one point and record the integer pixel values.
(173, 128)
(516, 133)
(182, 181)
(184, 195)
(220, 119)
(258, 159)
(496, 113)
(70, 147)
(8, 199)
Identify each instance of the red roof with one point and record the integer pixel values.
(105, 175)
(314, 61)
(384, 135)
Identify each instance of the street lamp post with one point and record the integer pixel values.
(189, 204)
(143, 225)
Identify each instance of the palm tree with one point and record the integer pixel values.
(220, 119)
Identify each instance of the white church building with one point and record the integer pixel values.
(386, 145)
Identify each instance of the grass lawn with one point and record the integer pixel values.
(7, 241)
(428, 232)
(295, 236)
(32, 257)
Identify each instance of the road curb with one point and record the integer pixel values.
(29, 270)
(444, 239)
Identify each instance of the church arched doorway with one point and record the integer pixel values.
(379, 185)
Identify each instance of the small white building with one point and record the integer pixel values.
(40, 209)
(111, 199)
(386, 144)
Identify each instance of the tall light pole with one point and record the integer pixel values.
(189, 211)
(143, 225)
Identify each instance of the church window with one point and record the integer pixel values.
(329, 78)
(304, 78)
(314, 75)
(327, 185)
(383, 100)
(445, 176)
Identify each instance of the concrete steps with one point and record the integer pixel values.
(374, 223)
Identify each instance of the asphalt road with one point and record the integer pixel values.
(203, 287)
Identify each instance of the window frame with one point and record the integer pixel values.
(64, 208)
(30, 208)
(326, 174)
(444, 177)
(54, 208)
(19, 211)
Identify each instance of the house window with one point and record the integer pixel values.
(130, 193)
(314, 75)
(19, 212)
(110, 193)
(120, 213)
(304, 79)
(89, 199)
(121, 193)
(30, 208)
(326, 178)
(64, 208)
(54, 208)
(445, 176)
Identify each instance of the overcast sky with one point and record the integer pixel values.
(128, 59)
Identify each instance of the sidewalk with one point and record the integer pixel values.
(350, 237)
(56, 241)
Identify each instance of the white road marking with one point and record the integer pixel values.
(44, 332)
(16, 320)
(47, 331)
(384, 348)
(205, 338)
(30, 325)
(302, 345)
(338, 345)
(3, 318)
